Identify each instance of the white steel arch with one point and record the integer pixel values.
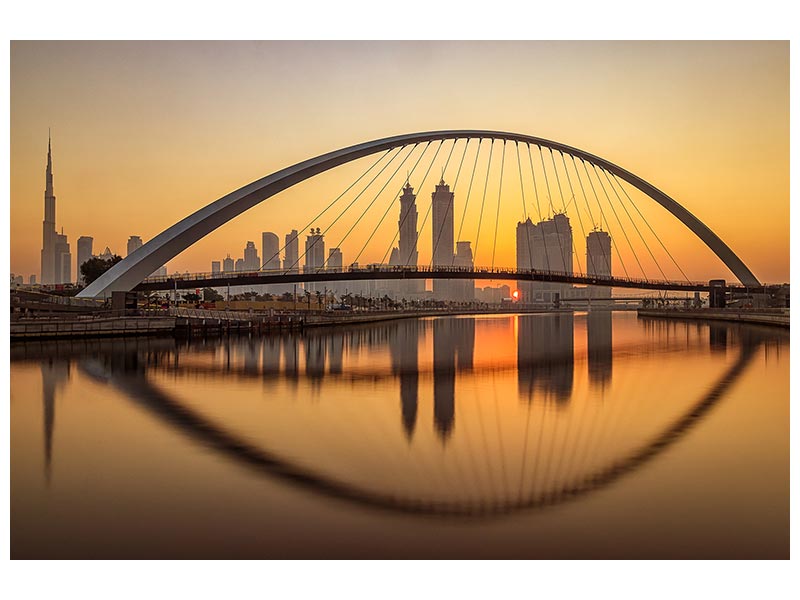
(129, 272)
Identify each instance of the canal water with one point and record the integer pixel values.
(593, 435)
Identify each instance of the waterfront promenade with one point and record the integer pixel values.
(764, 316)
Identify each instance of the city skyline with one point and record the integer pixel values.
(722, 196)
(400, 299)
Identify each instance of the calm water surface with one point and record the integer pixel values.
(593, 435)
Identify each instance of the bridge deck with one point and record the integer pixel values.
(196, 280)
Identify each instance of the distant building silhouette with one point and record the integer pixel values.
(251, 262)
(84, 253)
(291, 261)
(315, 257)
(442, 237)
(134, 243)
(270, 251)
(406, 253)
(544, 246)
(463, 289)
(335, 263)
(216, 266)
(106, 254)
(493, 295)
(598, 261)
(228, 265)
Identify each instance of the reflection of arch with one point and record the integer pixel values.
(200, 428)
(132, 270)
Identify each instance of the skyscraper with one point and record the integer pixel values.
(407, 225)
(84, 253)
(291, 260)
(216, 267)
(442, 237)
(334, 260)
(227, 264)
(335, 263)
(464, 289)
(407, 254)
(251, 260)
(270, 249)
(63, 259)
(56, 257)
(598, 260)
(526, 234)
(544, 246)
(315, 256)
(134, 243)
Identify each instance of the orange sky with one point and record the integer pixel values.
(145, 133)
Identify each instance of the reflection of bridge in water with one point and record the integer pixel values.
(542, 377)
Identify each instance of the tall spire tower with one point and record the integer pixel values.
(56, 257)
(49, 223)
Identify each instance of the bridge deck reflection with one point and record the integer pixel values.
(564, 454)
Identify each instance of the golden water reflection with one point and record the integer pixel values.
(470, 418)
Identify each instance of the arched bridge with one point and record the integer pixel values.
(607, 182)
(197, 280)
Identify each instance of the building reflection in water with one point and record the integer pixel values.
(315, 358)
(54, 374)
(545, 355)
(718, 336)
(270, 356)
(291, 357)
(250, 357)
(127, 365)
(335, 353)
(453, 349)
(599, 345)
(404, 350)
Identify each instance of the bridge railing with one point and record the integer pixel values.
(501, 272)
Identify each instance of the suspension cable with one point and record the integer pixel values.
(614, 189)
(624, 233)
(607, 259)
(401, 188)
(360, 177)
(441, 227)
(499, 196)
(366, 187)
(524, 212)
(583, 193)
(624, 191)
(538, 211)
(483, 201)
(591, 217)
(422, 183)
(553, 210)
(577, 210)
(564, 204)
(603, 217)
(469, 191)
